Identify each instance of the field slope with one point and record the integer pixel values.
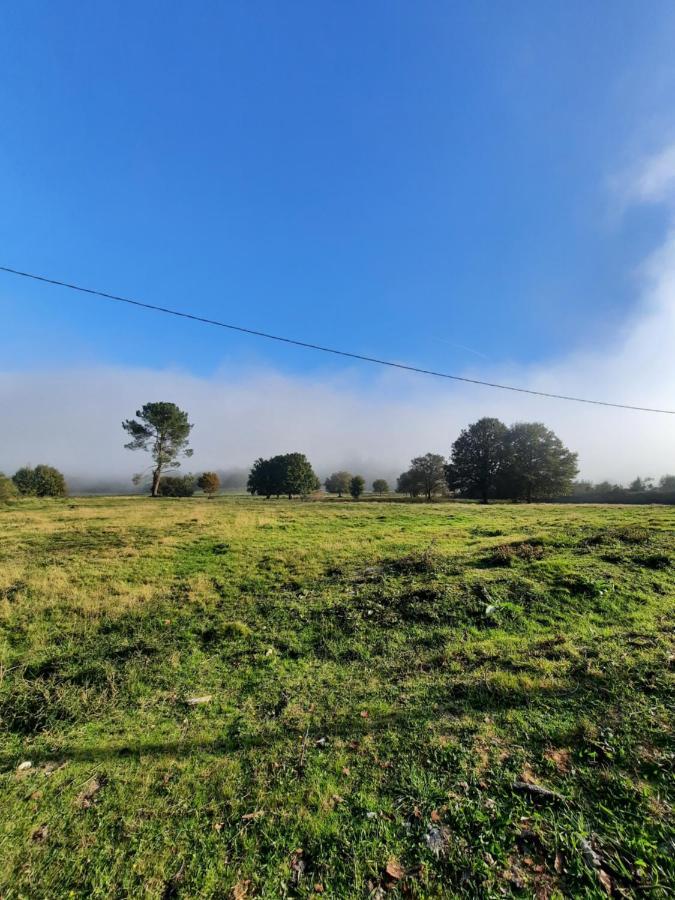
(238, 698)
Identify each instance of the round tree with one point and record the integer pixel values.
(338, 483)
(42, 481)
(478, 459)
(209, 483)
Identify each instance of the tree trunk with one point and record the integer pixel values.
(156, 475)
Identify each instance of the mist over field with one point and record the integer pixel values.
(72, 418)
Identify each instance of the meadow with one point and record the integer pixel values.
(248, 698)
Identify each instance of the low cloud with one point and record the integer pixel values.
(72, 418)
(368, 419)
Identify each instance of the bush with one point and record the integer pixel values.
(8, 490)
(177, 486)
(209, 483)
(42, 481)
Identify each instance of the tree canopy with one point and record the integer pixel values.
(428, 473)
(380, 486)
(524, 462)
(164, 430)
(537, 464)
(338, 483)
(42, 481)
(478, 459)
(409, 482)
(288, 473)
(209, 482)
(356, 486)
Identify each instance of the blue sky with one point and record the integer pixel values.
(406, 179)
(433, 182)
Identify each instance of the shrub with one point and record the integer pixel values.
(209, 483)
(177, 486)
(42, 481)
(8, 490)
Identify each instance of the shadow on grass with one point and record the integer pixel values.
(176, 748)
(409, 719)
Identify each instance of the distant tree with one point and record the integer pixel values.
(428, 472)
(579, 488)
(667, 483)
(177, 486)
(537, 464)
(290, 473)
(164, 430)
(209, 482)
(299, 477)
(264, 478)
(49, 482)
(637, 485)
(8, 490)
(380, 486)
(42, 481)
(478, 458)
(607, 489)
(356, 486)
(24, 480)
(408, 482)
(338, 483)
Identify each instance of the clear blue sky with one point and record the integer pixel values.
(396, 178)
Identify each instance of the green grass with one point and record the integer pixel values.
(380, 674)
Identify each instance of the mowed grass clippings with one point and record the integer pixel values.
(241, 698)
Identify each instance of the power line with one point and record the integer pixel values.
(308, 346)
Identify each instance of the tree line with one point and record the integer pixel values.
(489, 460)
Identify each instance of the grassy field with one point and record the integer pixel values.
(239, 698)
